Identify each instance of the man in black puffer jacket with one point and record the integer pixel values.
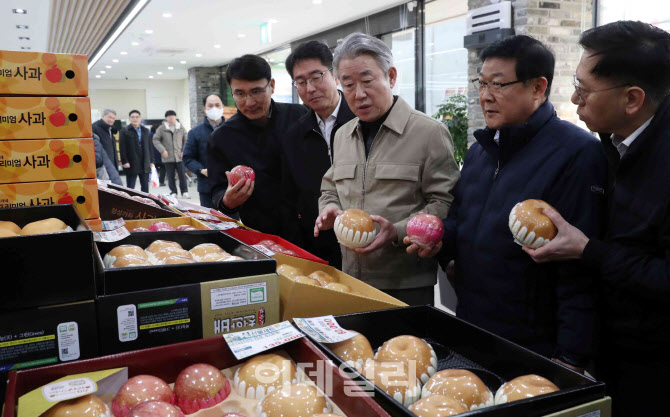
(622, 88)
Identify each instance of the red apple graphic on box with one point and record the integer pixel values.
(241, 172)
(57, 119)
(54, 74)
(62, 161)
(66, 199)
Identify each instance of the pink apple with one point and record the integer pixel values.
(425, 229)
(200, 386)
(140, 389)
(241, 172)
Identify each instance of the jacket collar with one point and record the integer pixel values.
(308, 120)
(239, 120)
(513, 138)
(177, 125)
(396, 120)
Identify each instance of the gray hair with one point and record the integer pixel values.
(107, 111)
(358, 44)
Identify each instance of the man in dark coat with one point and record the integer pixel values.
(252, 138)
(307, 147)
(136, 152)
(525, 152)
(622, 87)
(195, 151)
(103, 128)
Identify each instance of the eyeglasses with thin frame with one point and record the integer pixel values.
(315, 80)
(582, 93)
(494, 87)
(256, 94)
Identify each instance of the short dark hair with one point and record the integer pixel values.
(533, 58)
(204, 99)
(632, 52)
(134, 111)
(308, 50)
(170, 113)
(249, 68)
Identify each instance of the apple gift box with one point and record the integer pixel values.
(114, 206)
(45, 118)
(43, 74)
(82, 194)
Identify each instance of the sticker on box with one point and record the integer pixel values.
(68, 341)
(113, 224)
(67, 390)
(324, 329)
(239, 295)
(263, 249)
(111, 235)
(251, 342)
(126, 317)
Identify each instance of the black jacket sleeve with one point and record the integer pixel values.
(123, 146)
(217, 165)
(579, 197)
(289, 203)
(192, 154)
(98, 151)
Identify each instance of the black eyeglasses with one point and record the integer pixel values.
(494, 88)
(582, 93)
(256, 94)
(315, 80)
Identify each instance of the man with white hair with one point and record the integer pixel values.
(391, 161)
(103, 128)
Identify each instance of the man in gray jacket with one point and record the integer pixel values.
(391, 161)
(169, 140)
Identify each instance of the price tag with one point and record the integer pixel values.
(324, 329)
(263, 249)
(113, 224)
(251, 342)
(224, 225)
(112, 235)
(66, 390)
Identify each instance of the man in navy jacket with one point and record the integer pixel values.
(526, 152)
(622, 87)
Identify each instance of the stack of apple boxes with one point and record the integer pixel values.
(47, 155)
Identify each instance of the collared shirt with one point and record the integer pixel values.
(622, 145)
(327, 126)
(139, 133)
(496, 138)
(214, 126)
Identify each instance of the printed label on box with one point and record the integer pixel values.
(68, 341)
(263, 249)
(127, 320)
(223, 225)
(111, 235)
(324, 329)
(239, 295)
(591, 414)
(251, 342)
(113, 224)
(66, 390)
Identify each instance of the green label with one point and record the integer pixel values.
(163, 303)
(257, 295)
(32, 364)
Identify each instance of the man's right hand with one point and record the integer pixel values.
(126, 165)
(237, 194)
(165, 154)
(326, 219)
(424, 252)
(204, 171)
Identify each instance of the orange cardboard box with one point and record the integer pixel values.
(45, 117)
(82, 194)
(43, 74)
(95, 224)
(46, 160)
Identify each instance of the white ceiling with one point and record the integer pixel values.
(37, 20)
(196, 26)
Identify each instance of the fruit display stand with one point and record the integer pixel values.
(167, 361)
(460, 345)
(114, 206)
(303, 300)
(253, 238)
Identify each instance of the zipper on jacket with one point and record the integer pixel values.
(327, 146)
(495, 174)
(365, 171)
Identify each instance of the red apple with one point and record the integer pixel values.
(140, 389)
(155, 409)
(185, 227)
(267, 243)
(62, 161)
(57, 119)
(66, 199)
(241, 172)
(54, 74)
(160, 226)
(200, 386)
(139, 229)
(426, 230)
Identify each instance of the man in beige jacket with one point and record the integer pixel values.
(169, 140)
(391, 161)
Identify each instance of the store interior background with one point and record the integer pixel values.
(158, 55)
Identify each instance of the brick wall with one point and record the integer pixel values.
(202, 81)
(556, 23)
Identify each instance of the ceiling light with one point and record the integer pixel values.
(22, 26)
(134, 43)
(25, 47)
(159, 73)
(119, 30)
(170, 68)
(115, 60)
(97, 76)
(198, 55)
(151, 76)
(20, 11)
(124, 53)
(103, 72)
(316, 1)
(217, 46)
(24, 38)
(149, 31)
(182, 62)
(108, 66)
(167, 15)
(241, 35)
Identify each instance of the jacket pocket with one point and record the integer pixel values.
(344, 172)
(344, 177)
(397, 172)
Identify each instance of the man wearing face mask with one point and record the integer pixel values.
(195, 150)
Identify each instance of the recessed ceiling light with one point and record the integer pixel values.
(97, 76)
(198, 55)
(24, 38)
(22, 26)
(20, 11)
(115, 60)
(103, 72)
(134, 43)
(159, 73)
(167, 15)
(151, 76)
(124, 53)
(170, 68)
(108, 66)
(149, 31)
(182, 62)
(241, 35)
(217, 46)
(25, 47)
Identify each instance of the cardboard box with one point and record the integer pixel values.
(113, 206)
(94, 224)
(166, 362)
(303, 300)
(48, 335)
(598, 408)
(118, 280)
(46, 269)
(251, 237)
(82, 194)
(45, 118)
(461, 345)
(46, 160)
(172, 221)
(43, 74)
(161, 316)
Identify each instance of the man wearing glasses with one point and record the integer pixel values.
(251, 137)
(623, 88)
(525, 152)
(307, 148)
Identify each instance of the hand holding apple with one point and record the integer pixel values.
(238, 193)
(386, 234)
